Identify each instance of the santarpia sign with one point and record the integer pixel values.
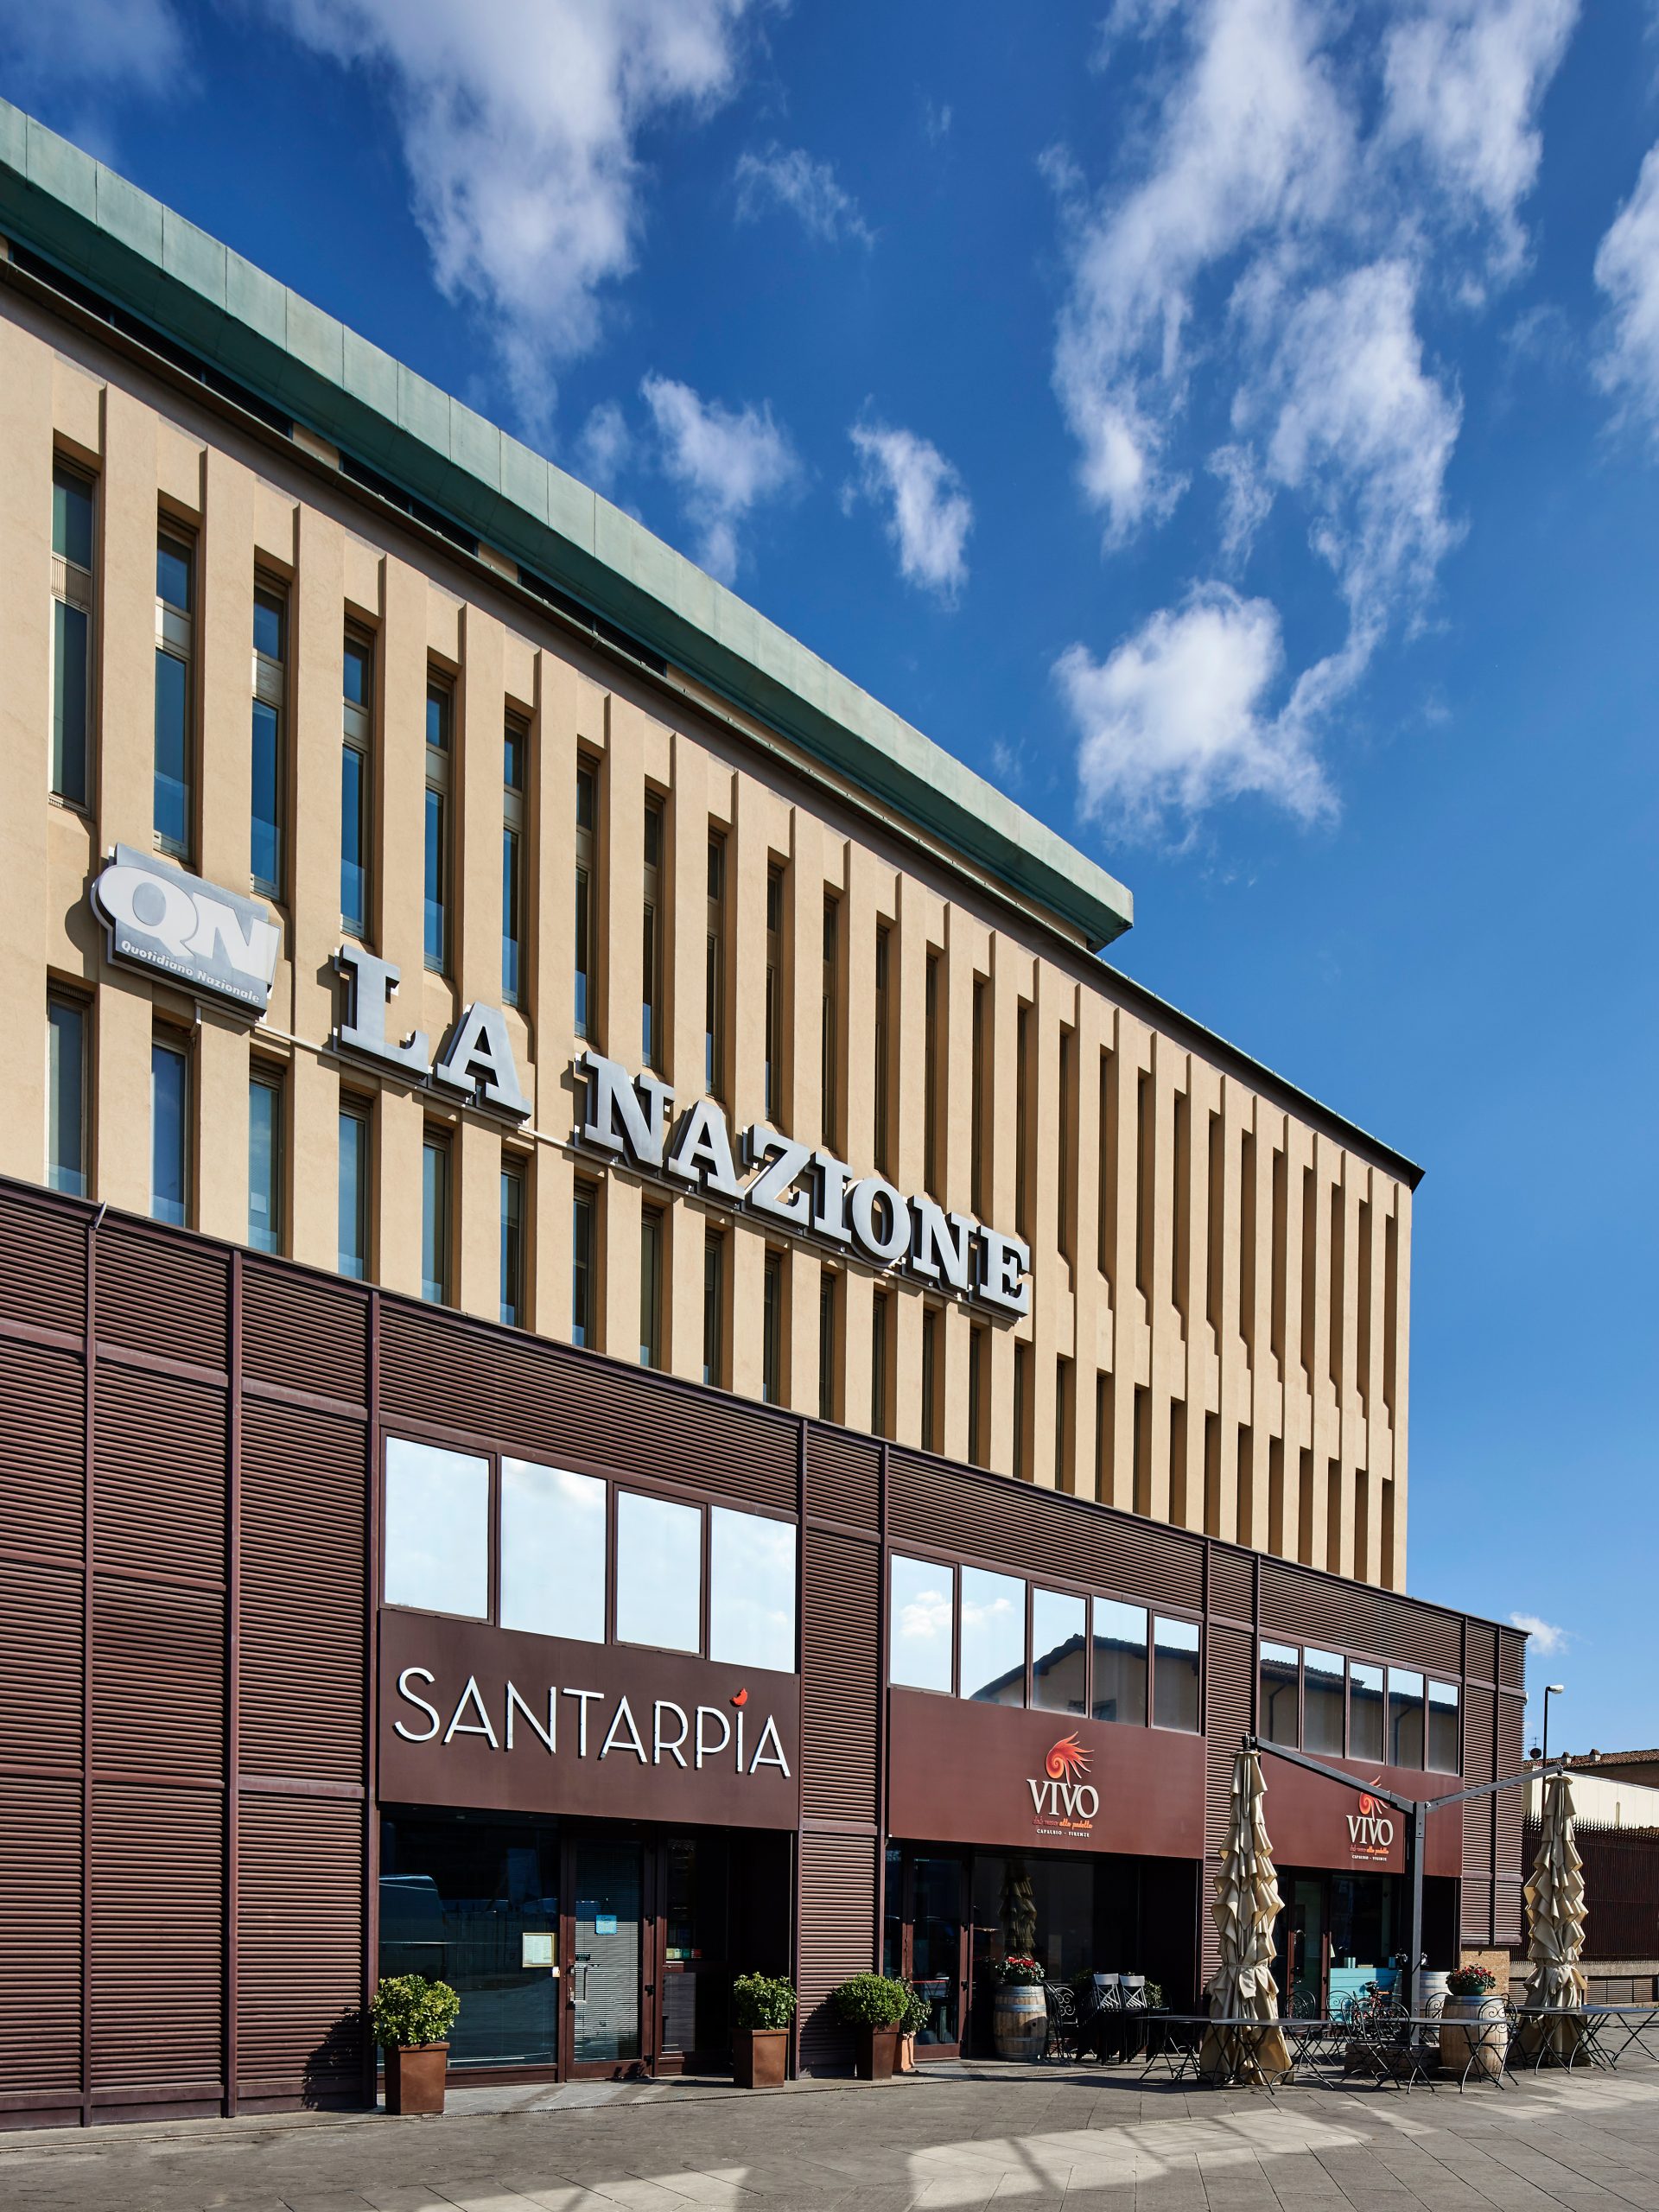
(804, 1190)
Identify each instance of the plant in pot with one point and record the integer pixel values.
(1474, 2028)
(412, 2018)
(917, 2013)
(874, 2008)
(1019, 2015)
(763, 2008)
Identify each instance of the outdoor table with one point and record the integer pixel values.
(1182, 2057)
(1598, 2025)
(1399, 2044)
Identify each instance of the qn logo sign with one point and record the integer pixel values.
(1061, 1801)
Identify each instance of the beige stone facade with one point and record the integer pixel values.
(1220, 1271)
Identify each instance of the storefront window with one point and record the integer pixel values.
(437, 1538)
(659, 1573)
(1120, 1662)
(1281, 1666)
(919, 1637)
(1405, 1718)
(751, 1590)
(1175, 1676)
(993, 1637)
(1059, 1630)
(1365, 1711)
(1322, 1700)
(552, 1551)
(1443, 1728)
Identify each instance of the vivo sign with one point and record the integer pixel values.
(209, 940)
(809, 1191)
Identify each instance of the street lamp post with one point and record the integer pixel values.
(1551, 1689)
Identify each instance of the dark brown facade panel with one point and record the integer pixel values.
(836, 1937)
(843, 1477)
(1621, 1888)
(303, 1334)
(162, 1293)
(1507, 1864)
(1480, 1651)
(1479, 1746)
(41, 1496)
(158, 1940)
(42, 1264)
(161, 1467)
(159, 1701)
(1232, 1584)
(1511, 1660)
(299, 1950)
(1476, 1923)
(1355, 1618)
(841, 1676)
(1229, 1680)
(39, 1933)
(42, 1630)
(304, 1488)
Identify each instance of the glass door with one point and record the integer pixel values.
(925, 1942)
(607, 1961)
(1303, 1964)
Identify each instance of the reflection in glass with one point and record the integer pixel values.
(65, 1092)
(437, 1538)
(169, 1108)
(1443, 1727)
(1405, 1718)
(1322, 1688)
(265, 1165)
(751, 1590)
(993, 1637)
(172, 752)
(353, 1192)
(659, 1573)
(552, 1551)
(920, 1637)
(1278, 1677)
(1059, 1630)
(1175, 1675)
(1120, 1662)
(1364, 1711)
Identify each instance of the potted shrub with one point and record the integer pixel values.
(412, 2018)
(1019, 2017)
(1473, 2024)
(874, 2008)
(918, 2012)
(763, 2008)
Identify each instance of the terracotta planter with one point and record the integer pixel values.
(1020, 2020)
(759, 2057)
(907, 2054)
(878, 2050)
(414, 2077)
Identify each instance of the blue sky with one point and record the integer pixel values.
(1234, 426)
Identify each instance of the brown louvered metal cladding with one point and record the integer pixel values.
(40, 1936)
(841, 1683)
(41, 1503)
(1507, 1869)
(300, 1949)
(303, 1335)
(1297, 1602)
(1232, 1581)
(160, 1469)
(158, 1966)
(41, 1639)
(843, 1477)
(837, 1936)
(162, 1293)
(160, 1707)
(43, 1267)
(1229, 1679)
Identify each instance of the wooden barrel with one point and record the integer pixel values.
(1021, 2020)
(1489, 2041)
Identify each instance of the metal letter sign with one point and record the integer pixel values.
(476, 1062)
(205, 939)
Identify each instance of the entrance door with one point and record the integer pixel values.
(1306, 1939)
(927, 1941)
(609, 1990)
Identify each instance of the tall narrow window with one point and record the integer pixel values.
(713, 1308)
(587, 877)
(879, 1390)
(933, 1102)
(356, 750)
(931, 1328)
(714, 975)
(66, 1094)
(829, 1028)
(981, 1103)
(774, 993)
(268, 761)
(435, 1218)
(771, 1329)
(650, 966)
(1066, 1145)
(174, 700)
(72, 632)
(169, 1131)
(827, 1317)
(1024, 1028)
(512, 1243)
(651, 1232)
(883, 1050)
(356, 1183)
(979, 1354)
(1021, 1411)
(584, 1271)
(440, 715)
(1062, 1424)
(515, 772)
(265, 1150)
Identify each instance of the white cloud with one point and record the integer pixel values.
(806, 188)
(93, 46)
(605, 446)
(520, 121)
(929, 513)
(725, 464)
(1548, 1641)
(1627, 270)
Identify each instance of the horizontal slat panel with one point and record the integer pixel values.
(159, 1680)
(42, 1633)
(42, 1263)
(1511, 1660)
(44, 1396)
(841, 1688)
(304, 1334)
(300, 1942)
(837, 1936)
(1479, 1728)
(158, 1934)
(843, 1477)
(162, 1293)
(1230, 1583)
(161, 1480)
(1355, 1618)
(39, 1933)
(1480, 1646)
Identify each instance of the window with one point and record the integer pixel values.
(587, 877)
(1405, 1718)
(170, 1135)
(659, 1573)
(584, 1275)
(774, 1069)
(1059, 1637)
(269, 767)
(713, 1308)
(1021, 1411)
(829, 1027)
(1120, 1662)
(751, 1590)
(920, 1632)
(883, 1049)
(651, 967)
(357, 729)
(552, 1552)
(827, 1320)
(1322, 1701)
(174, 706)
(512, 1243)
(653, 1229)
(1281, 1669)
(66, 1094)
(72, 632)
(978, 1371)
(435, 1218)
(437, 1532)
(993, 1637)
(930, 1325)
(440, 706)
(266, 1161)
(1364, 1711)
(355, 1183)
(1443, 1728)
(1063, 1470)
(713, 976)
(981, 1101)
(932, 1099)
(771, 1329)
(1175, 1675)
(515, 767)
(879, 1362)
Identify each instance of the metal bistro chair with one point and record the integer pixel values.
(1132, 2013)
(1061, 2040)
(1104, 2012)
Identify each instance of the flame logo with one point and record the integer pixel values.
(1067, 1758)
(1367, 1803)
(740, 1699)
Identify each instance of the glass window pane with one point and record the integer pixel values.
(659, 1573)
(1059, 1630)
(1443, 1727)
(1322, 1694)
(1405, 1718)
(437, 718)
(435, 1221)
(1364, 1711)
(172, 573)
(751, 1590)
(71, 517)
(355, 680)
(512, 1246)
(353, 1195)
(651, 1289)
(172, 751)
(1279, 1668)
(514, 742)
(353, 823)
(169, 1108)
(993, 1637)
(265, 1166)
(552, 1551)
(1120, 1662)
(920, 1635)
(435, 877)
(265, 841)
(268, 624)
(1175, 1674)
(66, 1124)
(437, 1538)
(69, 689)
(582, 1268)
(511, 897)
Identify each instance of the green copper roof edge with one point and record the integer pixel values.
(186, 285)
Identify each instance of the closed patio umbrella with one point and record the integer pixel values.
(1246, 1905)
(1555, 1917)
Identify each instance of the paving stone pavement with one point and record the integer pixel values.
(1048, 2140)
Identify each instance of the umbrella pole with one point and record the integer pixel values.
(1416, 1834)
